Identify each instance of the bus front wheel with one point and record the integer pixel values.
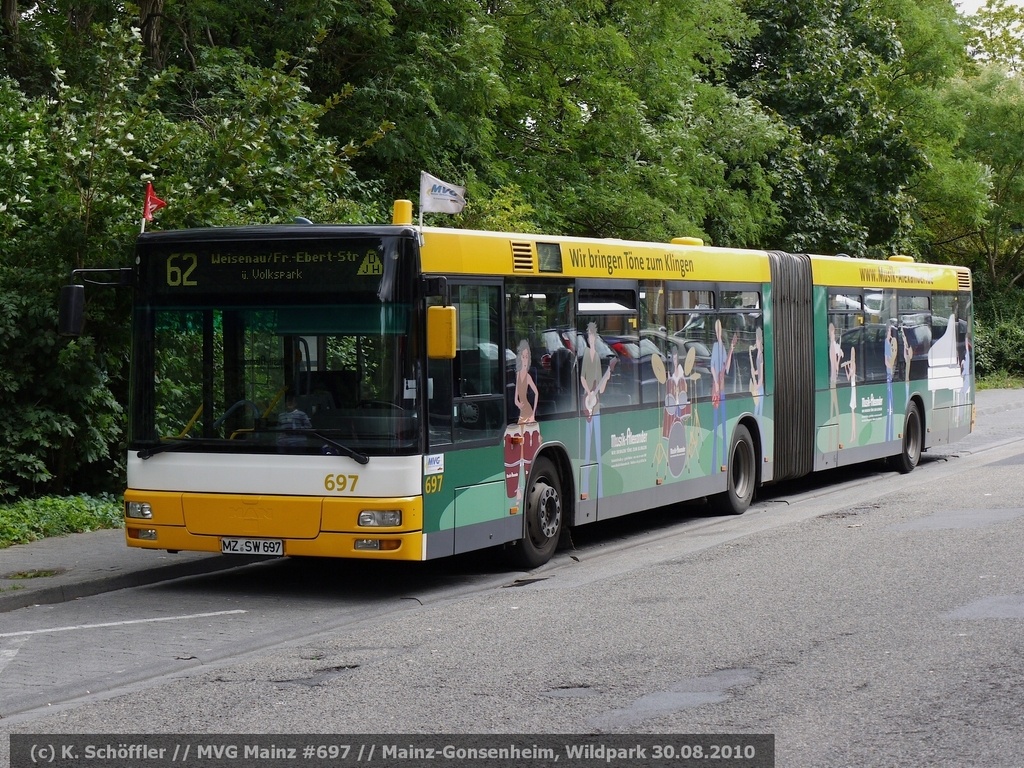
(742, 476)
(544, 516)
(907, 459)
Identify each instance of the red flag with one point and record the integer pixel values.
(153, 203)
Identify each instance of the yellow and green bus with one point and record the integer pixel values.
(404, 392)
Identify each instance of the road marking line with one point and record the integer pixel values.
(7, 654)
(118, 623)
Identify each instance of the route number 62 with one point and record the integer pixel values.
(180, 267)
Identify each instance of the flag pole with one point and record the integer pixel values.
(145, 207)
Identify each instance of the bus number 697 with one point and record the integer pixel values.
(341, 483)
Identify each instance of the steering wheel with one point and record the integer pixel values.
(379, 405)
(239, 404)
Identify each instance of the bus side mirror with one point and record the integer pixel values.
(441, 325)
(71, 316)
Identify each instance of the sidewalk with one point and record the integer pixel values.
(84, 564)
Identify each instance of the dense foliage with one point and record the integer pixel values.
(31, 519)
(865, 126)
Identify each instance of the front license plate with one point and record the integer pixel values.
(252, 547)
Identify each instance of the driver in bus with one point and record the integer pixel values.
(292, 418)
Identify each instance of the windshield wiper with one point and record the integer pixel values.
(173, 444)
(169, 444)
(352, 453)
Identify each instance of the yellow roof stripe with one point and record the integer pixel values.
(471, 252)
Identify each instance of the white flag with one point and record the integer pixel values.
(438, 196)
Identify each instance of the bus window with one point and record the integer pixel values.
(845, 300)
(478, 370)
(914, 338)
(691, 326)
(740, 300)
(607, 321)
(540, 317)
(740, 315)
(653, 342)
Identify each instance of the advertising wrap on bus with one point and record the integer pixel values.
(394, 392)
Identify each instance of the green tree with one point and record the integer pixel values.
(842, 181)
(431, 71)
(990, 98)
(227, 142)
(176, 31)
(950, 190)
(994, 136)
(65, 207)
(614, 126)
(996, 34)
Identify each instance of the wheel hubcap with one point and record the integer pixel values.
(549, 512)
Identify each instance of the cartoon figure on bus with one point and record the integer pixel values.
(523, 438)
(676, 414)
(756, 354)
(965, 369)
(524, 385)
(721, 361)
(835, 354)
(594, 383)
(890, 367)
(965, 374)
(851, 376)
(908, 355)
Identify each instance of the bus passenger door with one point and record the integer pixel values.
(467, 412)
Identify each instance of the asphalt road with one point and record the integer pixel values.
(874, 620)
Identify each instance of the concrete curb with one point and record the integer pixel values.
(71, 589)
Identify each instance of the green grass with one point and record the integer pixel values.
(33, 519)
(1001, 380)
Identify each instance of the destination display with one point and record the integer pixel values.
(200, 269)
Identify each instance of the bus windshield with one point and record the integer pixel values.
(327, 368)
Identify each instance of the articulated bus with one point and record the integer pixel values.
(404, 392)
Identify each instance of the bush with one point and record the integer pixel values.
(998, 345)
(34, 519)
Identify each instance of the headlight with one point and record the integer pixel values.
(380, 518)
(138, 509)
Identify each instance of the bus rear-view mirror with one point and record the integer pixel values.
(441, 325)
(71, 315)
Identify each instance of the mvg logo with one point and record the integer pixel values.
(438, 196)
(441, 189)
(433, 465)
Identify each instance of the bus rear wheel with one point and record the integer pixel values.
(742, 476)
(907, 459)
(544, 516)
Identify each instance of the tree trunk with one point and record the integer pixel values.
(151, 14)
(9, 20)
